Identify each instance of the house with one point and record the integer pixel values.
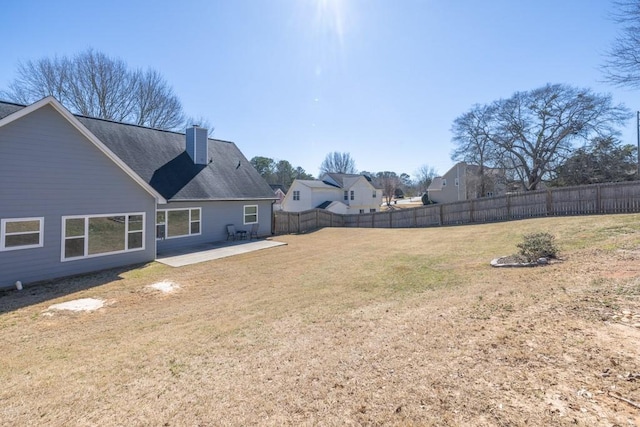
(280, 191)
(80, 194)
(465, 182)
(335, 192)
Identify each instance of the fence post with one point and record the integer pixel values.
(598, 199)
(549, 202)
(508, 201)
(471, 210)
(441, 219)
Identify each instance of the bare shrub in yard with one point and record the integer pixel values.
(538, 245)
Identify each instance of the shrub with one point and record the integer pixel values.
(426, 200)
(538, 245)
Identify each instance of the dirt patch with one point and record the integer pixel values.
(165, 286)
(82, 304)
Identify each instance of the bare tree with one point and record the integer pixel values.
(424, 176)
(338, 163)
(155, 104)
(532, 132)
(472, 135)
(389, 181)
(95, 85)
(622, 64)
(37, 80)
(199, 121)
(99, 86)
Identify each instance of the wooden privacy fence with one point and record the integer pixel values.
(622, 197)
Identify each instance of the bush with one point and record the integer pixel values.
(426, 200)
(538, 245)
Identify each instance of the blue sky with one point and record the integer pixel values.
(296, 79)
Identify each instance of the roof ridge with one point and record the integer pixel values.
(117, 122)
(17, 104)
(144, 127)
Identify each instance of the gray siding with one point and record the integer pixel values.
(215, 217)
(48, 169)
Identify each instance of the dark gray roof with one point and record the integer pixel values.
(159, 158)
(7, 108)
(339, 177)
(280, 187)
(324, 205)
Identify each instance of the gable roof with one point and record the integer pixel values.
(344, 180)
(339, 179)
(10, 112)
(159, 157)
(276, 187)
(158, 160)
(324, 205)
(314, 183)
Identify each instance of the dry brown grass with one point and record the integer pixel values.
(342, 327)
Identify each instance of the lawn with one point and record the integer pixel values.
(342, 327)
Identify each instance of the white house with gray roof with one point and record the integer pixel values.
(335, 192)
(80, 194)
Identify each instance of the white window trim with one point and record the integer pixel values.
(296, 195)
(166, 223)
(244, 214)
(3, 233)
(63, 237)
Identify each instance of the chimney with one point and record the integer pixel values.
(198, 145)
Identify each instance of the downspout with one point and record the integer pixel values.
(273, 219)
(458, 180)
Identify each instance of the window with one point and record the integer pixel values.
(489, 193)
(251, 214)
(21, 233)
(361, 211)
(353, 195)
(373, 194)
(296, 195)
(89, 236)
(444, 182)
(346, 195)
(161, 224)
(457, 182)
(177, 223)
(372, 210)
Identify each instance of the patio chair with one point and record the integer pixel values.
(231, 232)
(234, 234)
(254, 231)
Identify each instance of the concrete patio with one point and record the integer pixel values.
(211, 251)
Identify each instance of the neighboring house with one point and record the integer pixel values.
(464, 182)
(280, 191)
(79, 194)
(335, 192)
